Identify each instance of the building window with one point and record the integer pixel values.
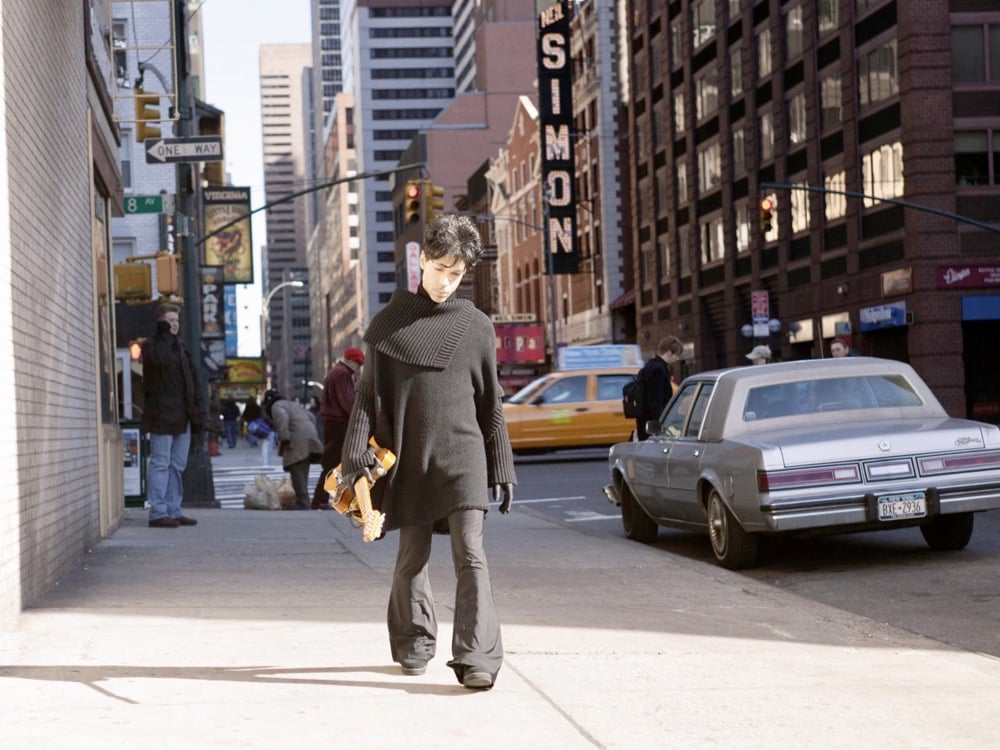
(882, 172)
(826, 15)
(709, 168)
(797, 119)
(648, 267)
(679, 119)
(766, 123)
(835, 204)
(682, 182)
(736, 73)
(972, 157)
(878, 74)
(665, 264)
(659, 131)
(800, 208)
(713, 245)
(734, 9)
(793, 32)
(739, 148)
(706, 92)
(975, 53)
(683, 251)
(764, 67)
(676, 43)
(661, 192)
(742, 228)
(703, 22)
(831, 101)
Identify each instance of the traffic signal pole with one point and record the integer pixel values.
(199, 484)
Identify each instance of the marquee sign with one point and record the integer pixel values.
(555, 119)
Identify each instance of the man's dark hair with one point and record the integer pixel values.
(166, 307)
(453, 235)
(670, 344)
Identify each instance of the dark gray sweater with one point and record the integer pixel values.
(429, 392)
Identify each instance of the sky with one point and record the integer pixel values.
(233, 31)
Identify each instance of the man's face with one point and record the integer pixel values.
(174, 320)
(838, 350)
(441, 276)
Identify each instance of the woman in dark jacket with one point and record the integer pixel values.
(430, 394)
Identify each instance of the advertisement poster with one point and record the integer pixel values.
(245, 370)
(133, 464)
(229, 242)
(519, 344)
(212, 303)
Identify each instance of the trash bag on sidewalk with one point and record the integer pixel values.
(261, 494)
(286, 493)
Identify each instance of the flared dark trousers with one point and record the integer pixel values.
(475, 644)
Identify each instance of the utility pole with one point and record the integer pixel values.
(199, 484)
(551, 269)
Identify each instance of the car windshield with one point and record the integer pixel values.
(828, 394)
(529, 391)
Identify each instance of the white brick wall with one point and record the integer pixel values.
(48, 438)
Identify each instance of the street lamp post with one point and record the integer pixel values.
(265, 314)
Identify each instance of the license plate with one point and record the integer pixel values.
(896, 507)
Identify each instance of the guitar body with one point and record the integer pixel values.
(355, 502)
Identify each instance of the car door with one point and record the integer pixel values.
(651, 476)
(561, 409)
(685, 459)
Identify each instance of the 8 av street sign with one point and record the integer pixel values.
(149, 204)
(173, 150)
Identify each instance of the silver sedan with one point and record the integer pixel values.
(852, 444)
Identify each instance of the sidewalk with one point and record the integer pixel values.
(260, 629)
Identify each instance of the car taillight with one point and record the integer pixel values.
(959, 462)
(779, 480)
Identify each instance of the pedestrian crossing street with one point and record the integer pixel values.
(229, 481)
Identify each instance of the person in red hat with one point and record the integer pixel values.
(335, 409)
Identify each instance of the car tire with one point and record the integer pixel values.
(949, 533)
(638, 526)
(733, 547)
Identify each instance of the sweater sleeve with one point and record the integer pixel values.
(499, 456)
(360, 426)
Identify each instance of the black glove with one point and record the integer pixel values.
(162, 326)
(507, 489)
(352, 478)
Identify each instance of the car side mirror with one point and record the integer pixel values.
(653, 427)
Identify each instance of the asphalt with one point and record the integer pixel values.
(258, 629)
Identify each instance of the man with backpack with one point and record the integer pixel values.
(655, 383)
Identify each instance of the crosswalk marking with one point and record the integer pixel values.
(229, 482)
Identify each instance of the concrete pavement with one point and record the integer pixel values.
(260, 629)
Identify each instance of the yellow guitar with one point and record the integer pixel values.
(356, 502)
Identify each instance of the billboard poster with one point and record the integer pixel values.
(227, 227)
(232, 333)
(213, 320)
(555, 120)
(245, 370)
(518, 343)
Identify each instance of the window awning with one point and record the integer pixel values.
(624, 300)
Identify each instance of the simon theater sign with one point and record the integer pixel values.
(555, 113)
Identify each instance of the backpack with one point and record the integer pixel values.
(634, 396)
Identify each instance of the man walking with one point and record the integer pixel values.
(657, 381)
(173, 410)
(335, 408)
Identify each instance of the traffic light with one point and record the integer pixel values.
(167, 281)
(434, 203)
(135, 349)
(147, 110)
(766, 215)
(411, 202)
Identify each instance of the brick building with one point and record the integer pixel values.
(732, 101)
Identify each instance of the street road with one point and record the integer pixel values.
(891, 577)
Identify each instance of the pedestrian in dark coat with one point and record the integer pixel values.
(173, 410)
(298, 443)
(339, 393)
(429, 392)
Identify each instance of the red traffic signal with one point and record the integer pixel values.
(766, 214)
(135, 350)
(411, 202)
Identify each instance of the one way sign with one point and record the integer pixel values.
(172, 150)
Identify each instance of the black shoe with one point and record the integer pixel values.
(164, 523)
(413, 667)
(477, 680)
(185, 521)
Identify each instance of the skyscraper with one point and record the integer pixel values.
(283, 118)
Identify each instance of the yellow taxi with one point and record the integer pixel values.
(570, 409)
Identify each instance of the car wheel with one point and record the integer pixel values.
(734, 548)
(948, 533)
(637, 524)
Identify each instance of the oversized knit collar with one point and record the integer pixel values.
(416, 330)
